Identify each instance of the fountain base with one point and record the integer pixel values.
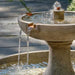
(59, 59)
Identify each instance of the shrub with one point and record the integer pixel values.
(71, 7)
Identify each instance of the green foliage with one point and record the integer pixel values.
(70, 0)
(10, 0)
(71, 7)
(24, 4)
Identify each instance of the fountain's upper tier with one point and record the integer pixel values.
(47, 30)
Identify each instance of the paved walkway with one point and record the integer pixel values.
(10, 9)
(9, 28)
(9, 12)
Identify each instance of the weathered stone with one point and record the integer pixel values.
(59, 37)
(60, 61)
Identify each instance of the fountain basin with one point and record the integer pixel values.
(51, 32)
(41, 56)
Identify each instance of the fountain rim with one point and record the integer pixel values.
(29, 53)
(12, 59)
(9, 59)
(39, 24)
(24, 53)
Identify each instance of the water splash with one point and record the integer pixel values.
(56, 5)
(32, 69)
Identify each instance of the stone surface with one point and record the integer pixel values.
(59, 59)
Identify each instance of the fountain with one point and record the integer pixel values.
(57, 32)
(59, 37)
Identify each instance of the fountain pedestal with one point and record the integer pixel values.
(59, 59)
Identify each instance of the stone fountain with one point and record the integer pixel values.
(58, 35)
(59, 38)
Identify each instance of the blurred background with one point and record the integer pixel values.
(9, 28)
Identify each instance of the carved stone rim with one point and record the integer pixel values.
(43, 55)
(21, 19)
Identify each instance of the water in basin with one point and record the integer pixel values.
(32, 69)
(46, 18)
(56, 15)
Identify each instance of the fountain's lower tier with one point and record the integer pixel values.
(38, 56)
(59, 37)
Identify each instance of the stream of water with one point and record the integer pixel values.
(28, 32)
(19, 47)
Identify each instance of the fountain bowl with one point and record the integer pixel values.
(50, 32)
(58, 36)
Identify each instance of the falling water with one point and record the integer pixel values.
(28, 33)
(19, 48)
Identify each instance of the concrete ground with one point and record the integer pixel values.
(9, 28)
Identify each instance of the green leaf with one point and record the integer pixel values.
(24, 4)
